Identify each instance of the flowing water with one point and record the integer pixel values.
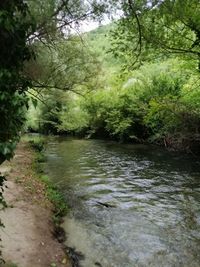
(130, 205)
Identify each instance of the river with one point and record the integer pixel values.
(130, 205)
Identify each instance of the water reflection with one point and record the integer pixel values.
(152, 217)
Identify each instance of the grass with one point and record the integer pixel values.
(56, 197)
(52, 191)
(37, 144)
(9, 264)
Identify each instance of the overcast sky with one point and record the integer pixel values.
(87, 26)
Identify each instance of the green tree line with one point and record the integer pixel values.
(159, 103)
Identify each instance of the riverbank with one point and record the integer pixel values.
(28, 238)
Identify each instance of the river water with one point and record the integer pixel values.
(130, 205)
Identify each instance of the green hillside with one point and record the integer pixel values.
(99, 40)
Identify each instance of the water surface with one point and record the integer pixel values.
(152, 213)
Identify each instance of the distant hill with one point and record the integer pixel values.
(99, 41)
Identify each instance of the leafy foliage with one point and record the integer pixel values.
(15, 24)
(151, 29)
(155, 103)
(62, 17)
(67, 68)
(64, 65)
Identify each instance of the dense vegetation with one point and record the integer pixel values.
(159, 102)
(15, 25)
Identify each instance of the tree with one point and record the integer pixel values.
(67, 67)
(165, 27)
(55, 17)
(15, 25)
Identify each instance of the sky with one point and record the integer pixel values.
(87, 26)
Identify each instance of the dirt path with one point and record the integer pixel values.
(27, 238)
